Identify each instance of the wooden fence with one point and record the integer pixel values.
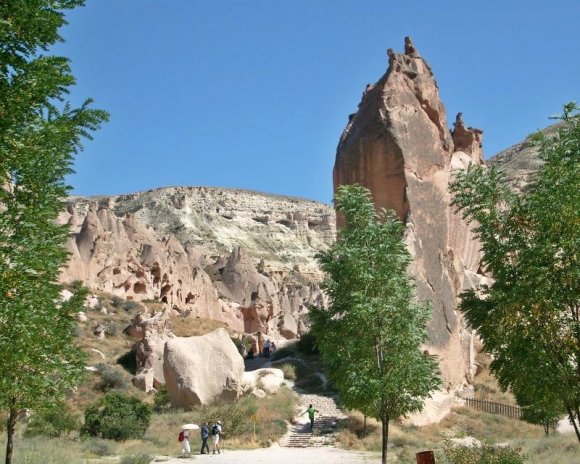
(491, 407)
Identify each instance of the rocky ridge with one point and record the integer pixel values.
(520, 162)
(240, 257)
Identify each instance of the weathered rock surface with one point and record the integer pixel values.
(520, 162)
(262, 382)
(202, 370)
(399, 146)
(240, 257)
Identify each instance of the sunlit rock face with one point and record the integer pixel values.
(399, 146)
(240, 257)
(520, 162)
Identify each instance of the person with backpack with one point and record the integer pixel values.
(311, 411)
(184, 439)
(216, 432)
(204, 436)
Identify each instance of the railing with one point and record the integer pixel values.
(491, 407)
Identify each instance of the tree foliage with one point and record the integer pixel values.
(370, 337)
(118, 417)
(529, 317)
(39, 134)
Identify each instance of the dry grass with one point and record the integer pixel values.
(405, 441)
(192, 326)
(486, 385)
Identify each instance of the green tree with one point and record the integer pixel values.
(371, 334)
(529, 317)
(39, 134)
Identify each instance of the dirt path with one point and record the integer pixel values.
(280, 455)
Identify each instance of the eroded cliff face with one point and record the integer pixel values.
(399, 146)
(240, 257)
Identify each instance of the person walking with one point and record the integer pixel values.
(204, 436)
(216, 432)
(311, 411)
(185, 442)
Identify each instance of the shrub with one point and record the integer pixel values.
(288, 369)
(131, 305)
(137, 459)
(118, 417)
(54, 422)
(486, 454)
(111, 378)
(117, 301)
(307, 345)
(161, 401)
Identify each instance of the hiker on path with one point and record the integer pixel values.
(267, 349)
(204, 436)
(311, 411)
(216, 432)
(185, 443)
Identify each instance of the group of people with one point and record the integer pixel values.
(216, 432)
(269, 347)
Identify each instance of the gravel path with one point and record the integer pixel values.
(278, 455)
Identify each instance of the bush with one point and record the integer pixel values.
(111, 378)
(54, 422)
(131, 305)
(118, 417)
(137, 459)
(307, 345)
(117, 301)
(161, 401)
(288, 369)
(458, 454)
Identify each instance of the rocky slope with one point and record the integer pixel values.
(241, 257)
(520, 162)
(399, 146)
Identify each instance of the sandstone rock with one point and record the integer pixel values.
(266, 380)
(82, 317)
(520, 162)
(162, 245)
(399, 146)
(92, 302)
(202, 370)
(288, 327)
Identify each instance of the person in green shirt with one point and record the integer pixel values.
(310, 412)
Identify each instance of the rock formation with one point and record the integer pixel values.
(520, 162)
(399, 146)
(240, 257)
(202, 370)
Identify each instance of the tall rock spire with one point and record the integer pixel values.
(399, 146)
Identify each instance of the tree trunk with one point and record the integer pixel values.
(10, 427)
(573, 422)
(385, 427)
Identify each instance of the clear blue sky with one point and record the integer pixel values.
(254, 94)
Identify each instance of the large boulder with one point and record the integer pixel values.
(202, 370)
(399, 146)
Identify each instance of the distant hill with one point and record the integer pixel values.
(520, 161)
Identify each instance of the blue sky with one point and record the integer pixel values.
(254, 94)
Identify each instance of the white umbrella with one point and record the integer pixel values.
(189, 427)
